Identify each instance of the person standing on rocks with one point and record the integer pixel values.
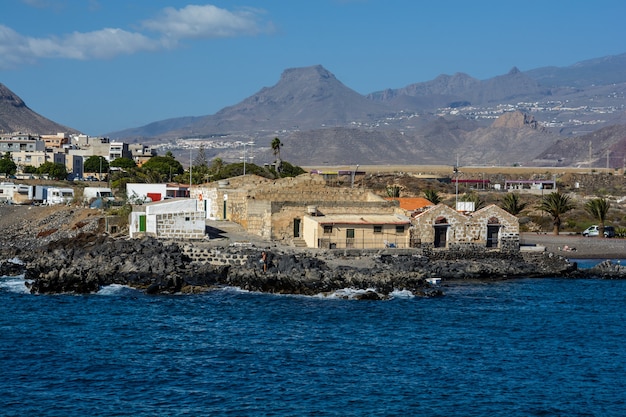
(264, 261)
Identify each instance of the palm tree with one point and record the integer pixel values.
(276, 145)
(598, 209)
(393, 191)
(511, 203)
(432, 196)
(556, 204)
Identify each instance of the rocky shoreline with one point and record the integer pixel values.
(64, 250)
(89, 261)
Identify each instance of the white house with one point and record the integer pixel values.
(168, 219)
(140, 192)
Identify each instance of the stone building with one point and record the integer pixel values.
(275, 209)
(443, 227)
(169, 219)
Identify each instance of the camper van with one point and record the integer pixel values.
(94, 193)
(59, 196)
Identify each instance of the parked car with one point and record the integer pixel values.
(591, 231)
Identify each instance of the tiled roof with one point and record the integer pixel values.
(411, 203)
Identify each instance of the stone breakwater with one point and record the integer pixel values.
(88, 262)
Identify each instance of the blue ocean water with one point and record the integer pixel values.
(529, 347)
(590, 263)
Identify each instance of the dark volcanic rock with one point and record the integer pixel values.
(88, 262)
(11, 267)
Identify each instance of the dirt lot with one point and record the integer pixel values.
(26, 227)
(581, 247)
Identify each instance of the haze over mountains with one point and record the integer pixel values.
(548, 116)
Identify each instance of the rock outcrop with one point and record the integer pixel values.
(86, 263)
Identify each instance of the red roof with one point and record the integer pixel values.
(411, 203)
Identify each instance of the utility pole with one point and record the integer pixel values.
(456, 180)
(245, 156)
(354, 175)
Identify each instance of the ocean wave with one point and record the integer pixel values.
(115, 289)
(402, 294)
(16, 284)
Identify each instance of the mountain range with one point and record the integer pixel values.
(547, 116)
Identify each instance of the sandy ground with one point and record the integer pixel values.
(581, 247)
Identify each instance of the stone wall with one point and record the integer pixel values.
(424, 231)
(466, 230)
(215, 256)
(180, 225)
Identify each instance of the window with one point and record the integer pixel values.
(187, 219)
(350, 233)
(399, 229)
(328, 229)
(378, 229)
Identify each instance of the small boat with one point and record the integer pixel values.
(433, 280)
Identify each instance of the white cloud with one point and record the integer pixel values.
(105, 43)
(204, 22)
(173, 26)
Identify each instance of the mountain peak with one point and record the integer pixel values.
(514, 71)
(306, 73)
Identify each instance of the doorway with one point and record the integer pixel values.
(441, 232)
(492, 235)
(296, 227)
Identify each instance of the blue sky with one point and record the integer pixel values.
(105, 65)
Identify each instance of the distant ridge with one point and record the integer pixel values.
(16, 116)
(521, 117)
(461, 89)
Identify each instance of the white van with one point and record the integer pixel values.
(91, 193)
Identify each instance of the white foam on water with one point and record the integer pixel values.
(16, 284)
(16, 261)
(234, 289)
(402, 294)
(346, 293)
(114, 289)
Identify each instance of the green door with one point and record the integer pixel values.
(142, 223)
